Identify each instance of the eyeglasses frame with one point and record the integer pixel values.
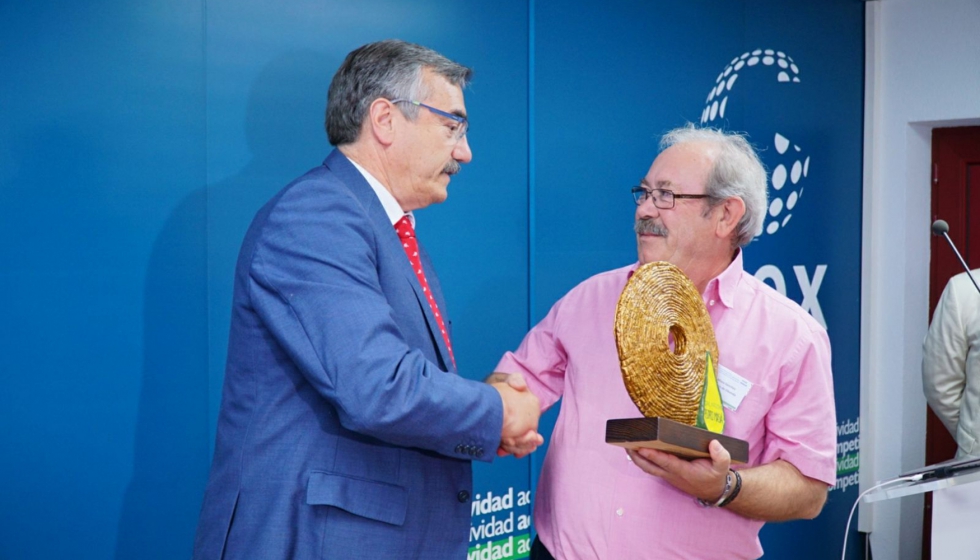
(647, 193)
(464, 123)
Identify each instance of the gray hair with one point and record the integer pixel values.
(390, 69)
(737, 172)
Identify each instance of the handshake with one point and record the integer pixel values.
(519, 435)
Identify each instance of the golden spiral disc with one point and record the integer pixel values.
(660, 301)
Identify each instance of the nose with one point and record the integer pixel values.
(462, 152)
(647, 209)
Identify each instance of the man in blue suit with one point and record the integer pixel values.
(344, 430)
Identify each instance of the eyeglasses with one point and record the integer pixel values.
(460, 124)
(662, 198)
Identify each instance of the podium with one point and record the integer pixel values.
(955, 503)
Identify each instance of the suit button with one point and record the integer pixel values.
(459, 448)
(479, 452)
(463, 496)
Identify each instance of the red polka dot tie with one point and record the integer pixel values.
(407, 235)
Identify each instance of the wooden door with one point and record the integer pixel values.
(956, 199)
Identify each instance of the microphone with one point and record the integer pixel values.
(940, 227)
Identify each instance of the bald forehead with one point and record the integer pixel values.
(700, 153)
(682, 167)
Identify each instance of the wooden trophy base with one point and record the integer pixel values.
(686, 442)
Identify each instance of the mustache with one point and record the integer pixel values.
(452, 168)
(649, 227)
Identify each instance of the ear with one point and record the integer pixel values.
(381, 121)
(732, 210)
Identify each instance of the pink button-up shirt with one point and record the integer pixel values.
(592, 502)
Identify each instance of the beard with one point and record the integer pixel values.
(648, 226)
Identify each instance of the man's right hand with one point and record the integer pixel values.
(519, 435)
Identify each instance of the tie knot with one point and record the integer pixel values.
(404, 228)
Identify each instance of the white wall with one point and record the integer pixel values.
(923, 72)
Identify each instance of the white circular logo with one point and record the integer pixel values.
(791, 166)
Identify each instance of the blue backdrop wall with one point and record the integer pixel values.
(138, 139)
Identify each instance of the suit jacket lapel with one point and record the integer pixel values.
(338, 163)
(433, 280)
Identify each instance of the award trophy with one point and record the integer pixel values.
(668, 355)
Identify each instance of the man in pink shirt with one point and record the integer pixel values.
(703, 199)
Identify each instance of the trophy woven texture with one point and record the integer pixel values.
(659, 303)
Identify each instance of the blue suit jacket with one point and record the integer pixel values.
(342, 432)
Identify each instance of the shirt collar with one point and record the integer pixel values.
(388, 202)
(726, 284)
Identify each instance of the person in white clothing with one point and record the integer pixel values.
(951, 363)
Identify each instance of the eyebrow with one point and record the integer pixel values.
(661, 184)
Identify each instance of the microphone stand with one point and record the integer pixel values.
(940, 227)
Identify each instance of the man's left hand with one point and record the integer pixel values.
(701, 478)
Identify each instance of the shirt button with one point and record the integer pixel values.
(463, 496)
(712, 302)
(619, 512)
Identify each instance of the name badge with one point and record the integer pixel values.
(733, 387)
